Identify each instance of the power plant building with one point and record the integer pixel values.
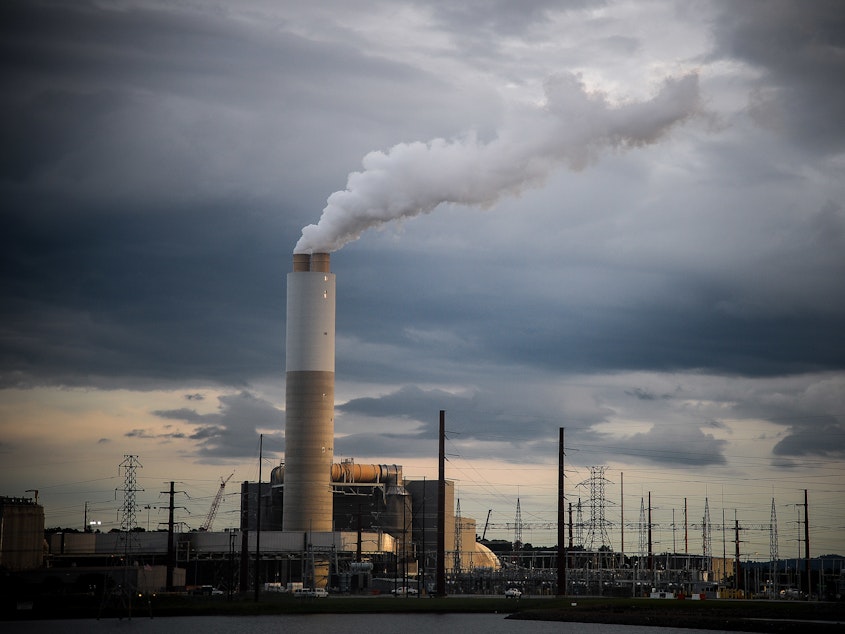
(310, 493)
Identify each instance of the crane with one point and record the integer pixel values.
(215, 504)
(486, 524)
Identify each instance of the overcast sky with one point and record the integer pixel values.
(621, 218)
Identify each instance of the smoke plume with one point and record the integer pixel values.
(572, 128)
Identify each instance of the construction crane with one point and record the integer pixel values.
(486, 524)
(215, 504)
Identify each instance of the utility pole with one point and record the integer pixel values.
(807, 544)
(358, 544)
(171, 550)
(674, 531)
(622, 515)
(258, 520)
(724, 545)
(737, 577)
(441, 509)
(650, 549)
(424, 559)
(244, 572)
(561, 521)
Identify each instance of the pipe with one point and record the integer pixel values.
(351, 473)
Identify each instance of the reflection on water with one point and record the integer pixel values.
(332, 624)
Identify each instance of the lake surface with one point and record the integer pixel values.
(331, 624)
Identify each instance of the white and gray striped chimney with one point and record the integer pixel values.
(309, 394)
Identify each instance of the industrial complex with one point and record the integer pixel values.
(350, 527)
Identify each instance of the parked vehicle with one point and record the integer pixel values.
(405, 592)
(311, 593)
(513, 593)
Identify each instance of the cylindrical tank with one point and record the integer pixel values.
(309, 410)
(351, 473)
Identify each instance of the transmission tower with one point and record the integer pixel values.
(122, 596)
(517, 532)
(458, 530)
(773, 549)
(773, 534)
(706, 543)
(642, 530)
(129, 466)
(597, 528)
(579, 524)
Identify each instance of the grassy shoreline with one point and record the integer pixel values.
(774, 617)
(725, 615)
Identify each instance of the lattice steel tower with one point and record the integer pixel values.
(643, 533)
(458, 530)
(127, 588)
(129, 466)
(773, 534)
(579, 524)
(597, 534)
(706, 537)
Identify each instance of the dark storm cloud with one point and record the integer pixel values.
(673, 445)
(503, 17)
(121, 263)
(411, 403)
(104, 298)
(468, 415)
(482, 424)
(158, 164)
(231, 432)
(799, 48)
(185, 414)
(512, 433)
(826, 438)
(147, 435)
(641, 394)
(151, 107)
(99, 84)
(150, 196)
(543, 327)
(377, 445)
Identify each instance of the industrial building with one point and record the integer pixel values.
(385, 537)
(21, 533)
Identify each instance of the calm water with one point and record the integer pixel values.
(332, 624)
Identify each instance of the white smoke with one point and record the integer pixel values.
(573, 127)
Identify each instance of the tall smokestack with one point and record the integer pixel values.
(309, 399)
